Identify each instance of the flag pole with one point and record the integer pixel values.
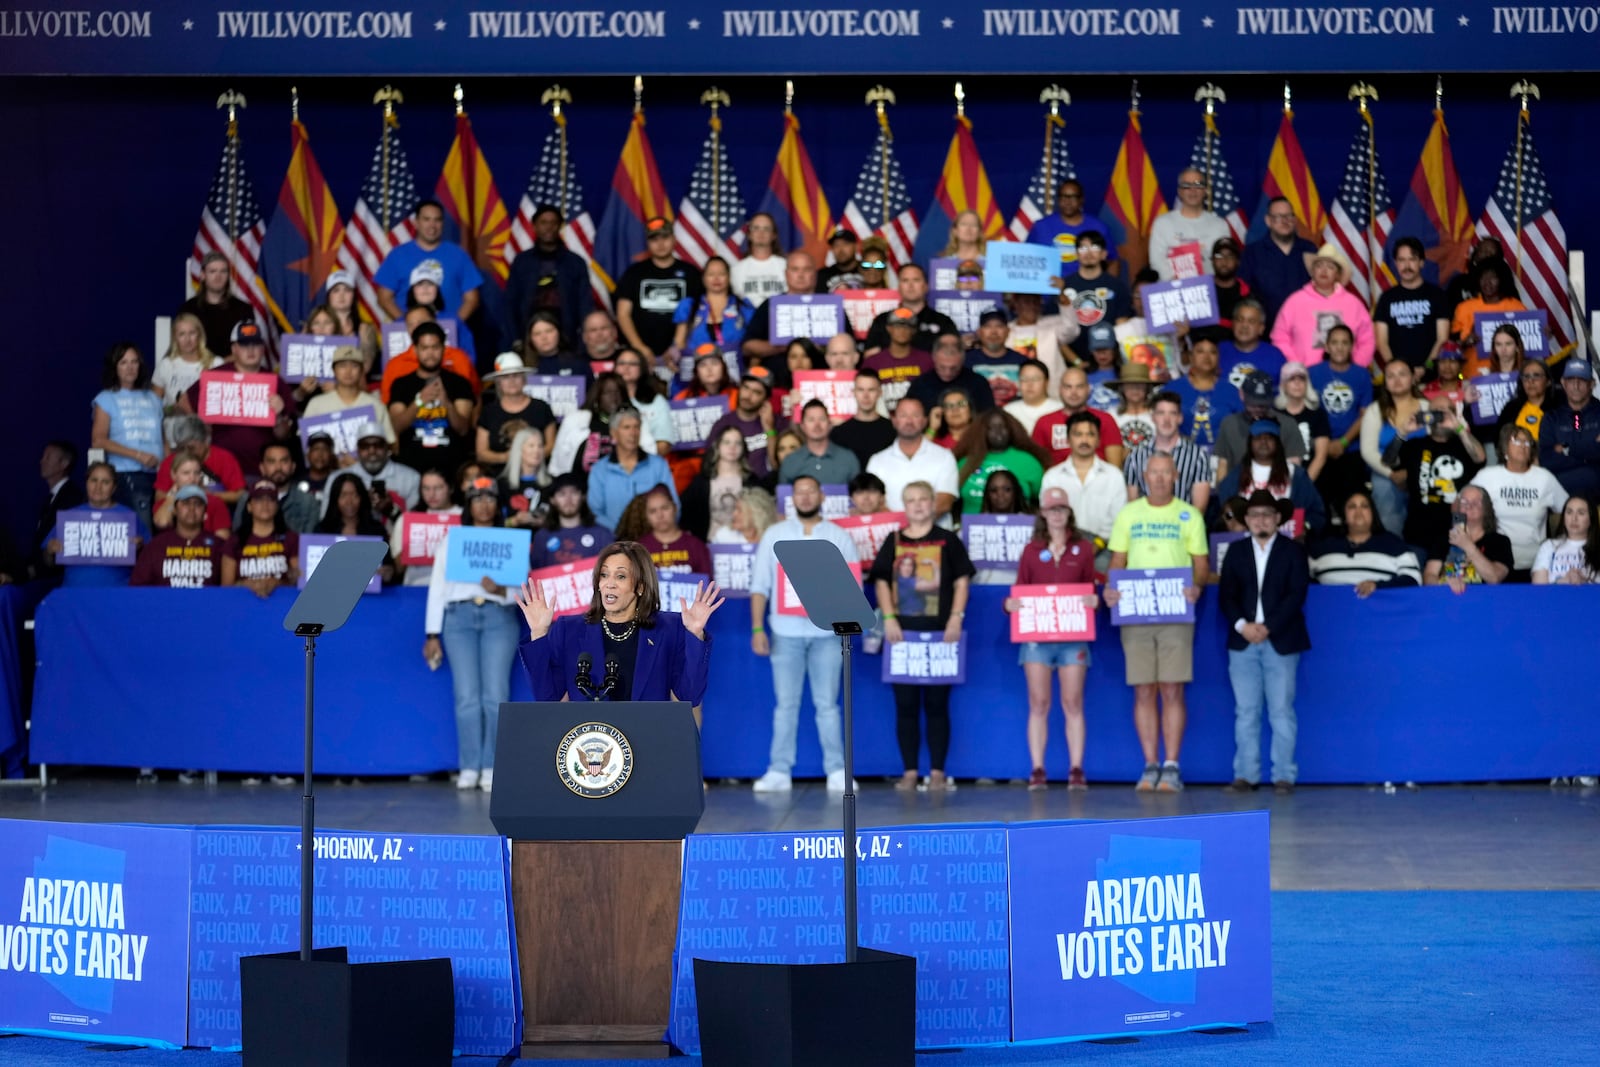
(1055, 96)
(879, 97)
(961, 102)
(638, 95)
(555, 96)
(1211, 96)
(1522, 91)
(716, 98)
(234, 101)
(388, 96)
(1361, 92)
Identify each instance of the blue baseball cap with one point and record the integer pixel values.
(1102, 335)
(1576, 367)
(1266, 426)
(189, 492)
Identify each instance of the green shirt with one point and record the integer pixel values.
(1168, 536)
(1024, 466)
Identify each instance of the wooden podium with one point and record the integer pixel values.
(597, 799)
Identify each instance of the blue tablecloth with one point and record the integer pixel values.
(1408, 685)
(15, 602)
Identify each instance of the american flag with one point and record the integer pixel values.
(711, 216)
(1224, 194)
(1055, 167)
(1539, 258)
(232, 207)
(366, 239)
(545, 187)
(868, 214)
(1359, 226)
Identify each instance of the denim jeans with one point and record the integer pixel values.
(1261, 675)
(137, 490)
(480, 642)
(1390, 501)
(794, 659)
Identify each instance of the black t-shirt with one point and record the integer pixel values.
(1436, 472)
(1411, 315)
(218, 320)
(930, 324)
(1106, 299)
(1313, 423)
(833, 278)
(865, 439)
(654, 292)
(503, 427)
(922, 572)
(626, 653)
(430, 442)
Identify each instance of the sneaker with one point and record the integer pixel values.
(1038, 780)
(773, 782)
(486, 781)
(1283, 789)
(250, 779)
(1076, 782)
(147, 776)
(467, 780)
(1148, 780)
(836, 782)
(1171, 781)
(1240, 785)
(190, 777)
(284, 779)
(1588, 781)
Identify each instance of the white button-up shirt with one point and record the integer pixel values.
(1096, 499)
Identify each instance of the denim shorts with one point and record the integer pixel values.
(1055, 653)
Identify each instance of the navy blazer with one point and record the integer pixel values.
(1283, 600)
(671, 661)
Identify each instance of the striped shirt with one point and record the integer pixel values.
(1383, 558)
(1193, 462)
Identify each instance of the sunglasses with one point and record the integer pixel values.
(873, 264)
(1191, 185)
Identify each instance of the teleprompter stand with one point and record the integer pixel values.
(313, 1007)
(861, 1011)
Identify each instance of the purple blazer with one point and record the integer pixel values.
(672, 663)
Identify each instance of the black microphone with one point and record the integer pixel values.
(612, 678)
(584, 682)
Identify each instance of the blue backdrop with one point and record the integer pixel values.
(108, 176)
(1408, 685)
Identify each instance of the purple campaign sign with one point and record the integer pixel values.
(996, 540)
(925, 658)
(565, 393)
(1219, 547)
(312, 547)
(1494, 393)
(835, 501)
(676, 587)
(342, 426)
(91, 537)
(1191, 300)
(1151, 596)
(693, 417)
(966, 307)
(730, 566)
(311, 356)
(1139, 926)
(396, 338)
(1533, 326)
(942, 271)
(815, 315)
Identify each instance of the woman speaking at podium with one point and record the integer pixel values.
(624, 647)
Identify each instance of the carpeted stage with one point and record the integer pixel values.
(1416, 927)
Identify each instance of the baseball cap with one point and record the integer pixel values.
(319, 435)
(1101, 335)
(902, 317)
(992, 315)
(1225, 243)
(842, 233)
(247, 333)
(1269, 427)
(1576, 367)
(655, 226)
(758, 376)
(1257, 387)
(969, 268)
(565, 481)
(189, 492)
(264, 490)
(429, 270)
(1291, 369)
(482, 487)
(368, 430)
(1054, 497)
(1449, 350)
(340, 277)
(347, 354)
(706, 351)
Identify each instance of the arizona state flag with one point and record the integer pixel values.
(795, 199)
(963, 186)
(1288, 176)
(1435, 209)
(301, 245)
(637, 196)
(466, 189)
(1133, 200)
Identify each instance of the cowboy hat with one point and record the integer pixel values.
(1333, 254)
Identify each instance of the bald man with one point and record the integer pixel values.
(799, 278)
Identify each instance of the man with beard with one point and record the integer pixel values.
(548, 277)
(570, 532)
(300, 510)
(402, 485)
(431, 409)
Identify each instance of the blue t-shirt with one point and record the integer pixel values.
(135, 423)
(550, 548)
(1234, 364)
(460, 273)
(1343, 393)
(1203, 411)
(1050, 230)
(697, 312)
(92, 575)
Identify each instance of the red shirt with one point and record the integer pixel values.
(220, 467)
(686, 555)
(1076, 565)
(1051, 432)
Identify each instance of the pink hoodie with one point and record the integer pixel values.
(1305, 317)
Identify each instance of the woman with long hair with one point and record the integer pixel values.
(186, 358)
(719, 316)
(648, 394)
(708, 501)
(1527, 405)
(525, 480)
(347, 314)
(435, 497)
(473, 625)
(1057, 555)
(349, 511)
(966, 237)
(1300, 402)
(1003, 494)
(951, 417)
(672, 549)
(127, 426)
(585, 435)
(754, 512)
(99, 490)
(1573, 558)
(546, 351)
(264, 554)
(1385, 425)
(802, 354)
(672, 663)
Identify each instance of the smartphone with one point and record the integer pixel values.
(1458, 520)
(380, 487)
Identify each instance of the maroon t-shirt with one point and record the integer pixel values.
(686, 555)
(180, 562)
(897, 374)
(755, 437)
(246, 442)
(265, 557)
(1073, 566)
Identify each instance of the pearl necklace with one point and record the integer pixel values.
(605, 626)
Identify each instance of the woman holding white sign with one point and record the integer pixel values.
(474, 625)
(1057, 555)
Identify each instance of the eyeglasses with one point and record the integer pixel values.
(1280, 216)
(873, 264)
(955, 404)
(1533, 376)
(1191, 185)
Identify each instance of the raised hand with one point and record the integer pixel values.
(696, 613)
(537, 612)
